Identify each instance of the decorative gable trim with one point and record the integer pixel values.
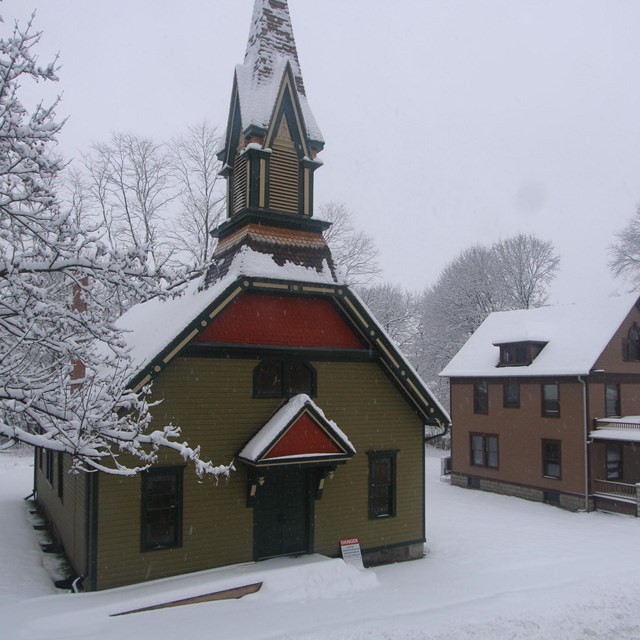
(234, 130)
(297, 433)
(356, 314)
(288, 106)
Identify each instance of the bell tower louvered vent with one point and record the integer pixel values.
(284, 182)
(270, 152)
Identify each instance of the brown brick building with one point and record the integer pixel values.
(545, 405)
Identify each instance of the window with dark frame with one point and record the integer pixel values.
(551, 400)
(283, 379)
(612, 400)
(481, 397)
(60, 468)
(519, 354)
(161, 526)
(382, 484)
(551, 459)
(631, 344)
(48, 466)
(614, 462)
(511, 395)
(485, 450)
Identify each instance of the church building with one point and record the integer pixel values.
(270, 362)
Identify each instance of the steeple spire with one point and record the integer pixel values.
(270, 38)
(269, 152)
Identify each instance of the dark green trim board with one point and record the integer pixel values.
(423, 502)
(234, 125)
(231, 351)
(92, 520)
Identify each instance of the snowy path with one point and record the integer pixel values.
(498, 568)
(21, 572)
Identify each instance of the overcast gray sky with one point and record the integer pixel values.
(447, 122)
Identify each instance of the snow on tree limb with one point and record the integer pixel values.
(65, 368)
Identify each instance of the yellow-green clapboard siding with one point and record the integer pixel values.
(67, 516)
(211, 399)
(374, 415)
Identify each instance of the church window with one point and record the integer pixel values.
(631, 345)
(161, 508)
(283, 379)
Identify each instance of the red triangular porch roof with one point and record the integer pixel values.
(298, 432)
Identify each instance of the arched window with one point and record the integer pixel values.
(283, 379)
(631, 346)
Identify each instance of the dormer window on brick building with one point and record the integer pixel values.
(519, 354)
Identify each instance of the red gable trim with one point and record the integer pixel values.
(303, 438)
(263, 319)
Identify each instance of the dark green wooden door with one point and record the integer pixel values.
(281, 514)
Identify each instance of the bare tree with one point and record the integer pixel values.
(396, 310)
(64, 368)
(527, 265)
(354, 252)
(625, 251)
(511, 274)
(131, 180)
(196, 166)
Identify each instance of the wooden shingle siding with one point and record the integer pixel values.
(211, 399)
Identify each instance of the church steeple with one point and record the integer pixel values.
(270, 148)
(270, 37)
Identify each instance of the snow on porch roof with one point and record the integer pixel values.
(575, 336)
(626, 428)
(258, 448)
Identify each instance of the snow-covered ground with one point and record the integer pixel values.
(497, 568)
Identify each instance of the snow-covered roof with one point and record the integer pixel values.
(626, 428)
(281, 419)
(271, 46)
(575, 336)
(624, 435)
(151, 326)
(157, 330)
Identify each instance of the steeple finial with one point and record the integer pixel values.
(270, 38)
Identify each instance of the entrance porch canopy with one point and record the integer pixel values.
(297, 433)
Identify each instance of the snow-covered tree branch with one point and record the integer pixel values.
(64, 369)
